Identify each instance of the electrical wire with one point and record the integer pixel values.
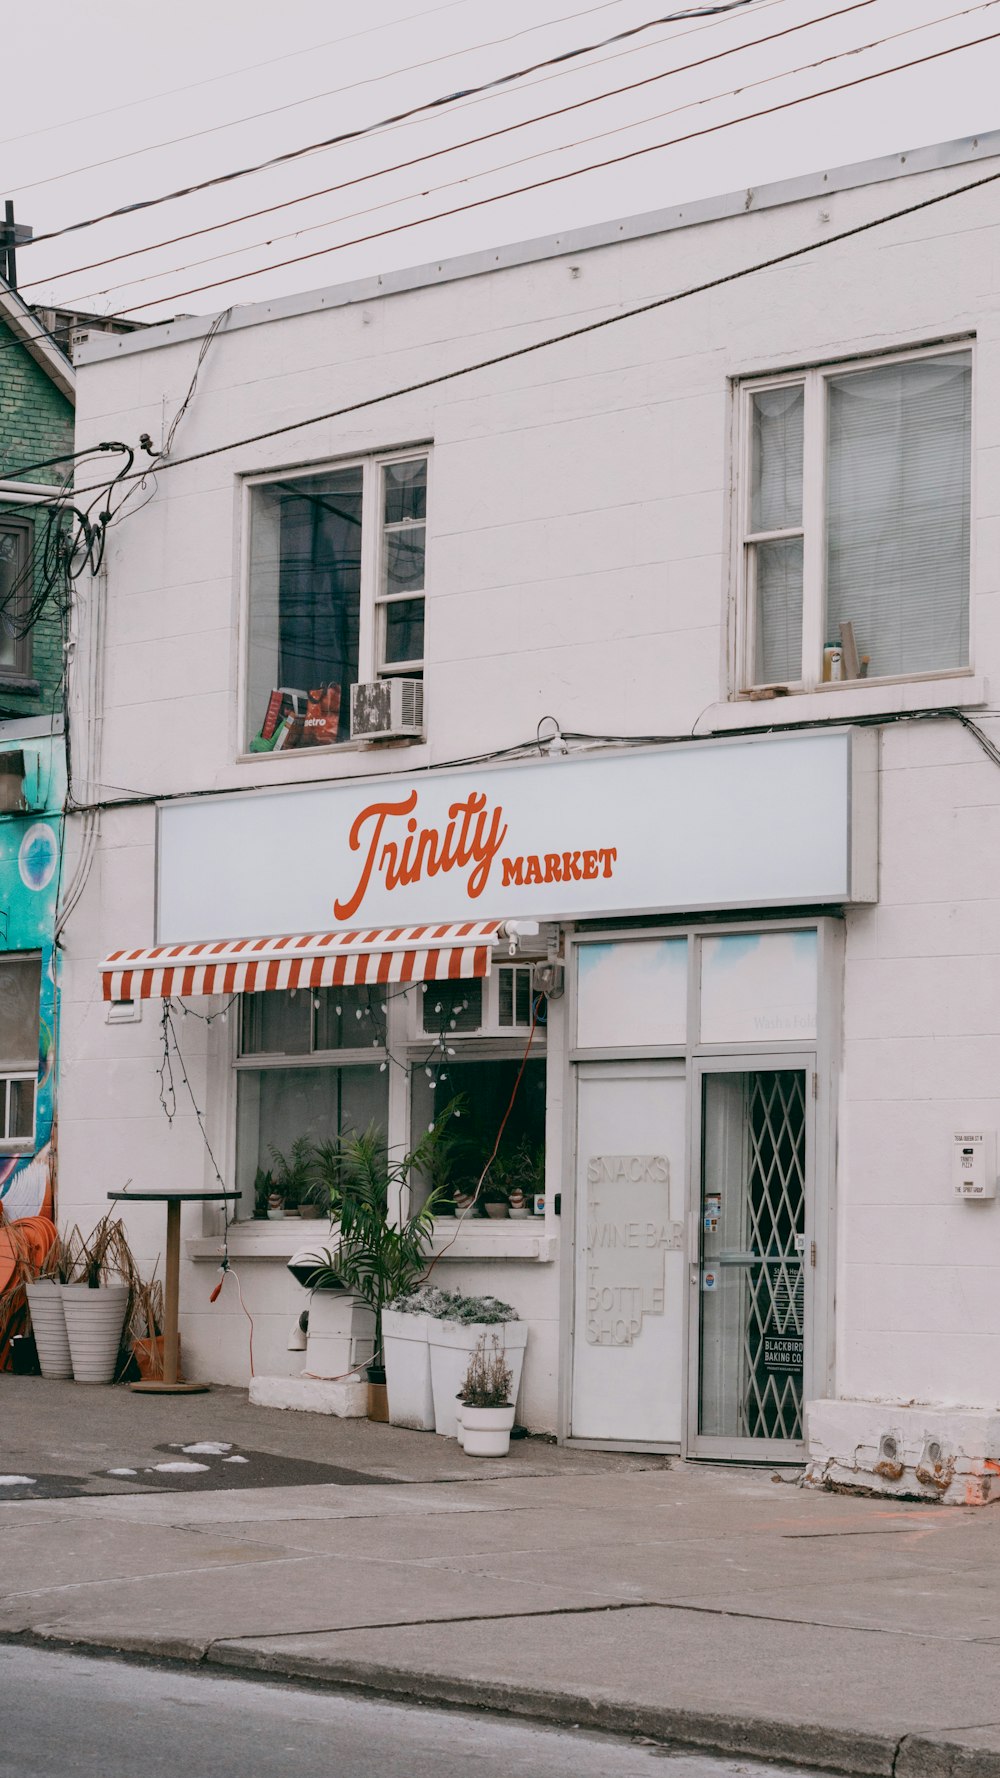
(314, 98)
(721, 6)
(560, 178)
(461, 107)
(588, 327)
(191, 86)
(506, 130)
(541, 154)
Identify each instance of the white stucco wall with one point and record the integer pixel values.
(578, 565)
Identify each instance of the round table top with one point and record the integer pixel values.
(168, 1197)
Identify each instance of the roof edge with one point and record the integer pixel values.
(37, 341)
(803, 187)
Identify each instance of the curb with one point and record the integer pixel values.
(850, 1751)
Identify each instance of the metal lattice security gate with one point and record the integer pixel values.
(751, 1282)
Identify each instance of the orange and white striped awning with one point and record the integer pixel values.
(308, 960)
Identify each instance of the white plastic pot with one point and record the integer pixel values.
(487, 1430)
(408, 1369)
(48, 1324)
(94, 1321)
(341, 1336)
(452, 1345)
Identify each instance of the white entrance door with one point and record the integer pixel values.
(629, 1303)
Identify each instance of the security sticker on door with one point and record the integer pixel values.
(713, 1211)
(709, 1279)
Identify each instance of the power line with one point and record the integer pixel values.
(587, 327)
(560, 178)
(191, 86)
(539, 154)
(314, 98)
(721, 6)
(488, 136)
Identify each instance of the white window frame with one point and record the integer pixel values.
(16, 1068)
(371, 626)
(814, 380)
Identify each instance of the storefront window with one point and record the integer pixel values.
(758, 987)
(312, 1065)
(481, 1091)
(632, 994)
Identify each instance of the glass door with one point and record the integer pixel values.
(750, 1288)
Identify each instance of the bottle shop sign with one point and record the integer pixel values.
(712, 825)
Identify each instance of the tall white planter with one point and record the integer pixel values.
(94, 1321)
(48, 1324)
(452, 1345)
(341, 1337)
(405, 1339)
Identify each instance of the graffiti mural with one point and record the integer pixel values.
(30, 845)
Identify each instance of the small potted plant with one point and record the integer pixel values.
(292, 1175)
(263, 1186)
(464, 1199)
(487, 1412)
(315, 1200)
(103, 1284)
(495, 1200)
(146, 1329)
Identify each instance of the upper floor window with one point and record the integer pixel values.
(15, 597)
(854, 522)
(336, 594)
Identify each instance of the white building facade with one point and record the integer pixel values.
(690, 623)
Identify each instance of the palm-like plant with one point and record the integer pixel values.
(376, 1257)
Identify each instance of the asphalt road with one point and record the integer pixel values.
(68, 1716)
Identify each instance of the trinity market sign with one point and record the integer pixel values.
(773, 822)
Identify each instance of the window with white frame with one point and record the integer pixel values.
(20, 985)
(16, 551)
(854, 500)
(311, 1067)
(336, 594)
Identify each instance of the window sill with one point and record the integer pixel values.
(348, 759)
(841, 703)
(274, 1243)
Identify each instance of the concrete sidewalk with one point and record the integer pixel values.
(716, 1607)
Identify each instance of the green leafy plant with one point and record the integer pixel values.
(489, 1377)
(263, 1186)
(293, 1175)
(375, 1256)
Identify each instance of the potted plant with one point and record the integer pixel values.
(146, 1331)
(375, 1257)
(406, 1331)
(495, 1199)
(291, 1177)
(464, 1199)
(263, 1186)
(103, 1284)
(487, 1405)
(453, 1336)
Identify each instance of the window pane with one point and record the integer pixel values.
(277, 1105)
(22, 1110)
(351, 1018)
(776, 470)
(305, 603)
(632, 992)
(19, 987)
(898, 477)
(277, 1023)
(778, 618)
(452, 1006)
(405, 487)
(13, 564)
(404, 630)
(403, 560)
(483, 1091)
(758, 987)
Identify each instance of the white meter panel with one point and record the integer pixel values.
(974, 1164)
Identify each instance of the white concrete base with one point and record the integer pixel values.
(312, 1395)
(942, 1453)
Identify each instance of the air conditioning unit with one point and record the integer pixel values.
(387, 709)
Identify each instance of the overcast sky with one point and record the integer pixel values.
(193, 70)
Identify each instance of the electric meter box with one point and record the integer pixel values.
(974, 1164)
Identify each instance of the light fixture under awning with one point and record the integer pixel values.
(453, 952)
